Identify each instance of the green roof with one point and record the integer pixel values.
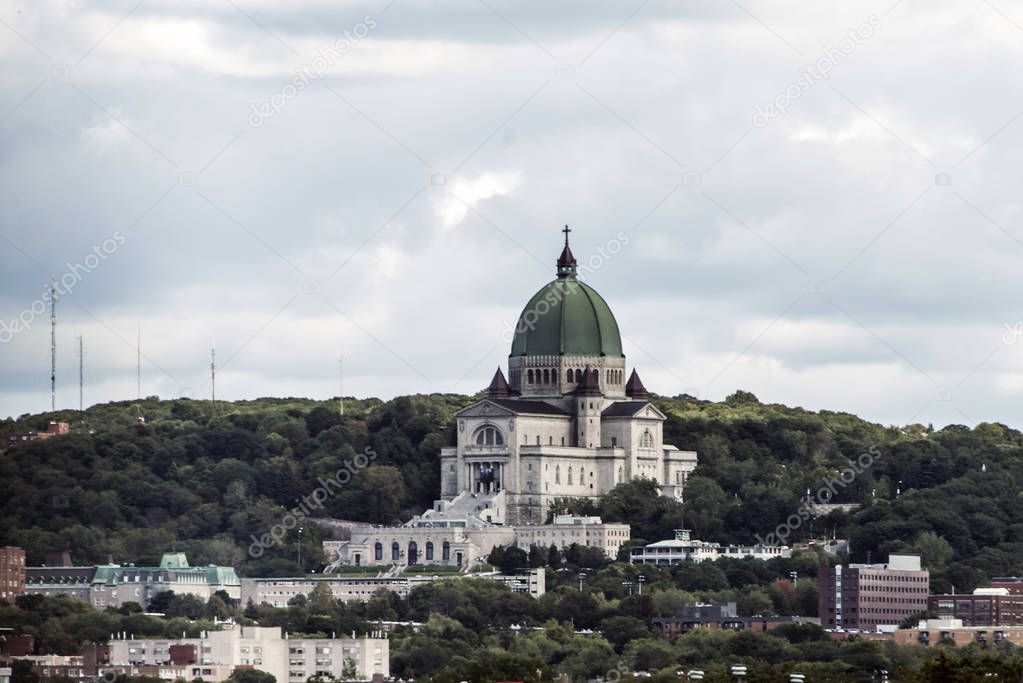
(567, 317)
(173, 561)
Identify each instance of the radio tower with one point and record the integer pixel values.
(213, 379)
(53, 348)
(138, 364)
(81, 376)
(341, 386)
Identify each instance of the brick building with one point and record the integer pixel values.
(720, 617)
(955, 632)
(54, 428)
(985, 607)
(12, 573)
(866, 596)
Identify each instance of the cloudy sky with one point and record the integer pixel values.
(817, 202)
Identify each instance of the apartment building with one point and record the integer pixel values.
(589, 532)
(290, 660)
(12, 573)
(866, 596)
(955, 632)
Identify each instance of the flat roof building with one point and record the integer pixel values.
(866, 596)
(290, 660)
(12, 573)
(985, 607)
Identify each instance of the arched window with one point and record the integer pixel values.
(529, 376)
(445, 551)
(378, 551)
(646, 440)
(568, 375)
(557, 474)
(488, 435)
(570, 474)
(619, 475)
(395, 551)
(546, 376)
(429, 550)
(578, 375)
(596, 376)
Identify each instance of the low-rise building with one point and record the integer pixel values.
(12, 573)
(453, 535)
(278, 592)
(290, 660)
(684, 548)
(54, 428)
(985, 607)
(1013, 584)
(721, 617)
(112, 585)
(568, 530)
(955, 632)
(867, 596)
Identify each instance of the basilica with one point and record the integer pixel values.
(566, 421)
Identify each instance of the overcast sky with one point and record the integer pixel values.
(303, 179)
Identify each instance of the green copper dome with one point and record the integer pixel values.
(567, 317)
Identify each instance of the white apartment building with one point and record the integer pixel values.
(290, 660)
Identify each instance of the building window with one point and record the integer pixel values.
(395, 551)
(529, 376)
(429, 550)
(557, 474)
(578, 375)
(646, 440)
(570, 474)
(568, 376)
(445, 551)
(489, 436)
(378, 551)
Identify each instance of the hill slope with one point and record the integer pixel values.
(206, 486)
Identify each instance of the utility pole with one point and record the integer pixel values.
(138, 364)
(53, 347)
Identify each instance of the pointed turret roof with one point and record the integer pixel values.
(634, 388)
(498, 386)
(566, 262)
(588, 385)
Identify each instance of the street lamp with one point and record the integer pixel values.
(300, 550)
(739, 671)
(628, 585)
(795, 579)
(695, 675)
(641, 579)
(796, 677)
(582, 576)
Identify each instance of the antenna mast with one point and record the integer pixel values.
(53, 347)
(138, 364)
(341, 386)
(213, 379)
(81, 376)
